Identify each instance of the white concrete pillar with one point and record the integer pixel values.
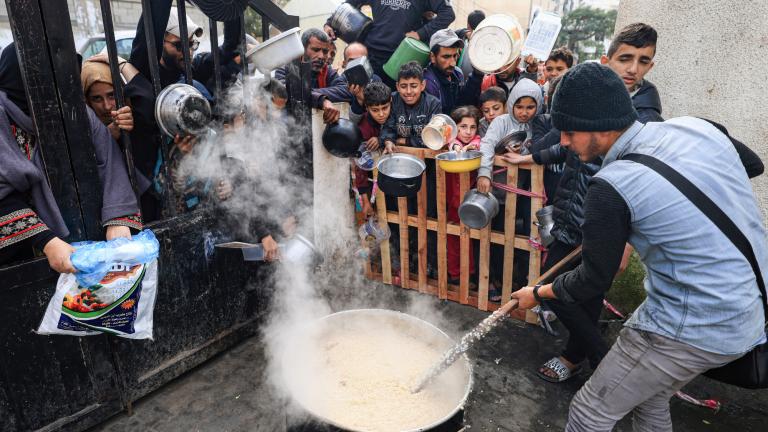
(712, 61)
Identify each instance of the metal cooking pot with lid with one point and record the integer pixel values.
(342, 139)
(400, 174)
(295, 360)
(477, 209)
(182, 109)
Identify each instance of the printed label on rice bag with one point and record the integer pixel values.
(109, 306)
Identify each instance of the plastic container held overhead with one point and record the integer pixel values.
(276, 51)
(182, 109)
(496, 43)
(440, 130)
(408, 50)
(349, 23)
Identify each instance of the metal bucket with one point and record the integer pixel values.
(276, 51)
(295, 360)
(408, 50)
(477, 209)
(440, 130)
(182, 109)
(349, 23)
(496, 43)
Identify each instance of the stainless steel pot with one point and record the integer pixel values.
(182, 109)
(349, 23)
(545, 224)
(477, 209)
(400, 174)
(295, 355)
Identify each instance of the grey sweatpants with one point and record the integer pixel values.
(640, 373)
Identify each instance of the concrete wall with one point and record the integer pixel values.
(711, 61)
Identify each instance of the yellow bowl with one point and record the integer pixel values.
(459, 162)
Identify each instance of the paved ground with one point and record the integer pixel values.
(229, 393)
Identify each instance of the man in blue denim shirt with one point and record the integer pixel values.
(703, 307)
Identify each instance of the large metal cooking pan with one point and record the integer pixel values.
(380, 318)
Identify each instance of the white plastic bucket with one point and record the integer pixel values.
(440, 130)
(277, 51)
(496, 43)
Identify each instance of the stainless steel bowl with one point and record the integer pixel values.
(373, 319)
(401, 166)
(477, 209)
(182, 109)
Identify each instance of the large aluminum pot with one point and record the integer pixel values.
(276, 51)
(496, 43)
(400, 174)
(296, 358)
(182, 109)
(477, 209)
(349, 23)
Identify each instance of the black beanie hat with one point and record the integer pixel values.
(592, 98)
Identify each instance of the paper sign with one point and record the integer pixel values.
(542, 35)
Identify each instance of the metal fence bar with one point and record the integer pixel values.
(213, 29)
(149, 33)
(181, 6)
(264, 28)
(117, 84)
(244, 66)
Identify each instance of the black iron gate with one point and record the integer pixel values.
(206, 302)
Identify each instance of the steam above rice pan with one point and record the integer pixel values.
(355, 370)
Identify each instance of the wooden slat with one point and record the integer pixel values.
(484, 268)
(402, 208)
(464, 247)
(386, 259)
(510, 216)
(537, 186)
(442, 264)
(422, 227)
(497, 237)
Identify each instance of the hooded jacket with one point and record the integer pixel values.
(647, 103)
(506, 124)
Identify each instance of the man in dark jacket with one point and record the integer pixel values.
(631, 57)
(316, 51)
(396, 19)
(444, 80)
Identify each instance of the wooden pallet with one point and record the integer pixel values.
(508, 239)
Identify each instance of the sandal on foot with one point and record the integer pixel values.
(559, 368)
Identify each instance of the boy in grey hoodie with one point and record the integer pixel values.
(524, 103)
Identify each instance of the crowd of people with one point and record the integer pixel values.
(580, 122)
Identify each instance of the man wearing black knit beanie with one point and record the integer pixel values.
(704, 307)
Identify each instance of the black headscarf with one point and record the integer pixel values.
(10, 78)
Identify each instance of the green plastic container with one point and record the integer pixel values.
(408, 50)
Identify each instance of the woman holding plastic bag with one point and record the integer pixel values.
(29, 216)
